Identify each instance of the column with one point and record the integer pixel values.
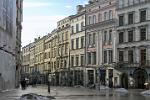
(92, 58)
(107, 56)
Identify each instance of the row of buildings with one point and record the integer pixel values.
(105, 42)
(10, 43)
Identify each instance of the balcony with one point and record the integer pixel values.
(126, 64)
(103, 23)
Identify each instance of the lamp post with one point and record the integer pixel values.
(49, 82)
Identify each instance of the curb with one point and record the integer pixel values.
(3, 91)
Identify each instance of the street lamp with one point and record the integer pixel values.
(49, 82)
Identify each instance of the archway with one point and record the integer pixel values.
(140, 76)
(124, 80)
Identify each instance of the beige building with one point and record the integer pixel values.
(63, 31)
(32, 58)
(25, 61)
(77, 47)
(51, 54)
(39, 58)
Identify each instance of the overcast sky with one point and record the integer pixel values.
(40, 16)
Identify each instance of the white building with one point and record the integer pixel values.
(7, 43)
(133, 42)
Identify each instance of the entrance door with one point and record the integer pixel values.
(140, 76)
(124, 80)
(90, 77)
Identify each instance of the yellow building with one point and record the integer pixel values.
(51, 52)
(25, 60)
(63, 31)
(32, 58)
(39, 58)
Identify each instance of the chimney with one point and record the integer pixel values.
(79, 8)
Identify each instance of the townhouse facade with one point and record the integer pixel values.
(133, 40)
(63, 31)
(77, 47)
(51, 53)
(100, 31)
(25, 70)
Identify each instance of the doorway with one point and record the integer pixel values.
(140, 76)
(124, 80)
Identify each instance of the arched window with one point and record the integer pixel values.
(90, 22)
(94, 19)
(110, 14)
(105, 16)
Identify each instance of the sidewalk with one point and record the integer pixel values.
(55, 92)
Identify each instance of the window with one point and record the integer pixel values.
(94, 19)
(110, 14)
(77, 60)
(82, 60)
(77, 43)
(90, 22)
(66, 49)
(72, 44)
(82, 42)
(130, 56)
(105, 36)
(66, 36)
(143, 56)
(143, 15)
(110, 56)
(130, 36)
(62, 36)
(121, 40)
(121, 20)
(72, 29)
(110, 36)
(105, 56)
(90, 37)
(94, 58)
(72, 60)
(77, 27)
(143, 34)
(121, 56)
(130, 18)
(105, 15)
(94, 36)
(89, 58)
(99, 17)
(82, 26)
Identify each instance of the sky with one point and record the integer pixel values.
(40, 17)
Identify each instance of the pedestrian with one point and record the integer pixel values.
(23, 84)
